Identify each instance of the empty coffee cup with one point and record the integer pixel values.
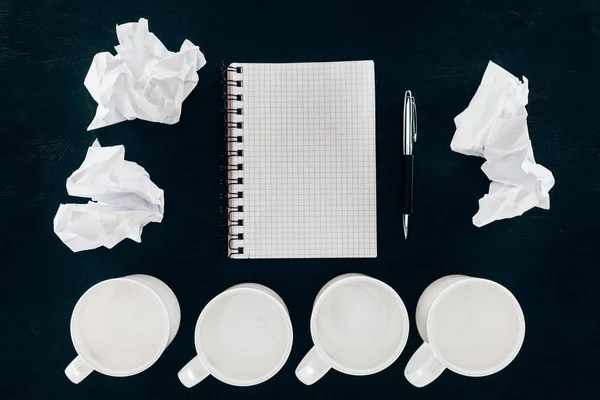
(359, 326)
(472, 326)
(243, 337)
(120, 327)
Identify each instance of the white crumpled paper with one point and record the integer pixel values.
(494, 126)
(144, 80)
(124, 200)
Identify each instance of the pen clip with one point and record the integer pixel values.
(414, 115)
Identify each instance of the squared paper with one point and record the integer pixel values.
(309, 180)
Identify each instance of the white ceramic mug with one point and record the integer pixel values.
(121, 326)
(243, 337)
(472, 326)
(359, 326)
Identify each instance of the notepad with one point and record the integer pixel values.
(301, 160)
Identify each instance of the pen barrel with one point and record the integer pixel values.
(407, 183)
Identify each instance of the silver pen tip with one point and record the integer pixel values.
(405, 225)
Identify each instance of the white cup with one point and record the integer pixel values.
(359, 326)
(243, 337)
(121, 326)
(472, 326)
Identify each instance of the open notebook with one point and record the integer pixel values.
(301, 160)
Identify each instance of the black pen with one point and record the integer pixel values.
(409, 137)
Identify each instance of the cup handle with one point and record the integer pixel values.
(193, 373)
(312, 367)
(78, 370)
(423, 367)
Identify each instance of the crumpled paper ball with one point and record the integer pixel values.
(144, 80)
(494, 126)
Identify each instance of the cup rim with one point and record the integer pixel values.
(283, 312)
(99, 368)
(313, 325)
(507, 360)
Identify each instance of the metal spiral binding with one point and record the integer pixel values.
(233, 105)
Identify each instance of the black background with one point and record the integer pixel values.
(439, 49)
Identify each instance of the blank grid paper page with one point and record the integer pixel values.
(309, 160)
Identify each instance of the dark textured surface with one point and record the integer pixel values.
(439, 49)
